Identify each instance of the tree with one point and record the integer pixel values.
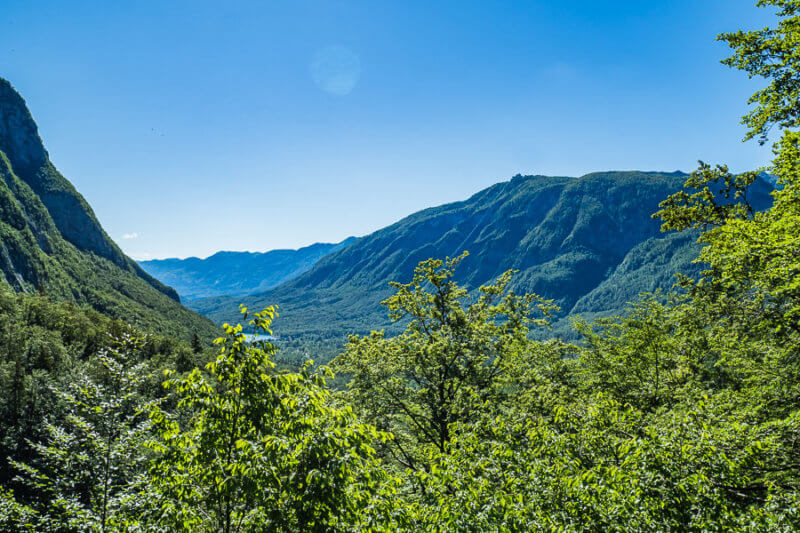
(633, 358)
(598, 465)
(752, 283)
(15, 516)
(89, 469)
(197, 346)
(770, 53)
(450, 359)
(251, 449)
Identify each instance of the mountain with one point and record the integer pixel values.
(237, 273)
(589, 243)
(51, 241)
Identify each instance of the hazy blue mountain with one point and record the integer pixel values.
(237, 273)
(51, 241)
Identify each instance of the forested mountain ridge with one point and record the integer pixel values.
(237, 273)
(51, 241)
(589, 243)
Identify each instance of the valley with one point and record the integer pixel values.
(589, 244)
(615, 350)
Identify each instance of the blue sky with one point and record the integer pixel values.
(195, 126)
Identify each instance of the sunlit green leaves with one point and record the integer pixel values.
(451, 359)
(259, 450)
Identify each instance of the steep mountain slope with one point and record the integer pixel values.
(237, 273)
(51, 241)
(649, 266)
(588, 243)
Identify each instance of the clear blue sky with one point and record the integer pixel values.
(195, 126)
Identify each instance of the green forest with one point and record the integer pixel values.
(680, 414)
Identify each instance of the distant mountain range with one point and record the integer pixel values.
(51, 241)
(237, 273)
(589, 243)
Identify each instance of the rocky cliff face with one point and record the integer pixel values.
(71, 215)
(19, 135)
(51, 241)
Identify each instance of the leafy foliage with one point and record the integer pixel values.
(55, 361)
(88, 471)
(260, 450)
(770, 53)
(451, 358)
